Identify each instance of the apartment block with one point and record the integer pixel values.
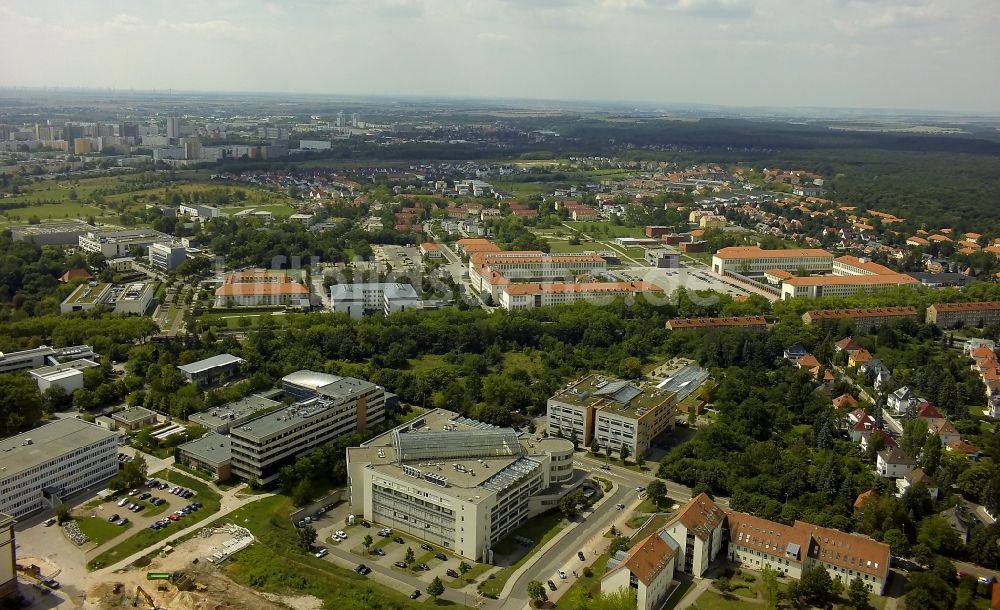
(167, 255)
(953, 315)
(814, 287)
(456, 482)
(212, 371)
(615, 413)
(53, 461)
(261, 288)
(755, 322)
(526, 296)
(383, 297)
(863, 320)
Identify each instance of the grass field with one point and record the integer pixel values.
(146, 537)
(99, 529)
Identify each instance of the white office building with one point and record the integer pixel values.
(52, 462)
(456, 482)
(263, 445)
(167, 255)
(114, 244)
(384, 297)
(68, 376)
(41, 356)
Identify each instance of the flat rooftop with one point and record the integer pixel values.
(473, 459)
(85, 294)
(612, 395)
(684, 382)
(47, 372)
(48, 442)
(210, 363)
(212, 448)
(132, 415)
(277, 421)
(345, 387)
(248, 406)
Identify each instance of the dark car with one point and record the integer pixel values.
(400, 564)
(581, 556)
(365, 524)
(415, 594)
(423, 567)
(552, 585)
(144, 495)
(123, 522)
(451, 573)
(426, 547)
(378, 552)
(51, 583)
(441, 556)
(114, 518)
(397, 539)
(361, 568)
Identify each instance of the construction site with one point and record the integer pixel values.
(182, 577)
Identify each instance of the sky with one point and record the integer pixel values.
(914, 54)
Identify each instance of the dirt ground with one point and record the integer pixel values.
(207, 587)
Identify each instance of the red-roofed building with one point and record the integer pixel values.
(648, 568)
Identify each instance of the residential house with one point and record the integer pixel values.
(959, 520)
(902, 401)
(847, 344)
(917, 475)
(858, 358)
(944, 430)
(795, 352)
(869, 437)
(648, 567)
(697, 528)
(864, 424)
(894, 463)
(845, 401)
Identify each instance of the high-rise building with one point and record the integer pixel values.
(340, 119)
(173, 127)
(355, 119)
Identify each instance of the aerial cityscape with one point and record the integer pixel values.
(585, 305)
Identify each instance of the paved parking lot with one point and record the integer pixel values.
(401, 258)
(671, 279)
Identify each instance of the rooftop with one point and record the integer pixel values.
(57, 371)
(613, 396)
(86, 294)
(210, 363)
(866, 265)
(218, 416)
(275, 422)
(977, 306)
(873, 312)
(739, 252)
(212, 448)
(851, 280)
(679, 323)
(584, 287)
(470, 458)
(37, 446)
(132, 415)
(309, 379)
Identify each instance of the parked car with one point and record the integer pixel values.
(144, 495)
(581, 556)
(122, 502)
(441, 556)
(562, 574)
(398, 540)
(361, 569)
(123, 522)
(451, 573)
(620, 506)
(400, 564)
(415, 594)
(50, 522)
(51, 583)
(378, 552)
(114, 518)
(426, 547)
(552, 585)
(365, 524)
(423, 567)
(322, 552)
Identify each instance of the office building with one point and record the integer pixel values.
(51, 233)
(526, 296)
(49, 463)
(663, 258)
(8, 557)
(68, 376)
(755, 322)
(211, 454)
(212, 371)
(817, 286)
(863, 320)
(490, 272)
(134, 299)
(456, 482)
(383, 297)
(971, 315)
(167, 255)
(42, 355)
(221, 419)
(852, 265)
(753, 261)
(115, 244)
(315, 144)
(613, 413)
(203, 212)
(133, 419)
(261, 288)
(261, 446)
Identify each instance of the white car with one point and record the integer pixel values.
(562, 574)
(123, 502)
(340, 535)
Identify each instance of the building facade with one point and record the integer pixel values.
(862, 320)
(114, 244)
(751, 260)
(527, 296)
(212, 371)
(383, 297)
(456, 482)
(261, 446)
(52, 462)
(167, 255)
(814, 287)
(612, 413)
(952, 315)
(261, 288)
(8, 556)
(754, 322)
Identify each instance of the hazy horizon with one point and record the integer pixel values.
(874, 55)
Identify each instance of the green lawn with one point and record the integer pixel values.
(603, 229)
(540, 529)
(478, 569)
(99, 529)
(710, 600)
(427, 362)
(146, 537)
(530, 362)
(277, 565)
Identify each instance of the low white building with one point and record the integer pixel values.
(68, 376)
(385, 297)
(894, 463)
